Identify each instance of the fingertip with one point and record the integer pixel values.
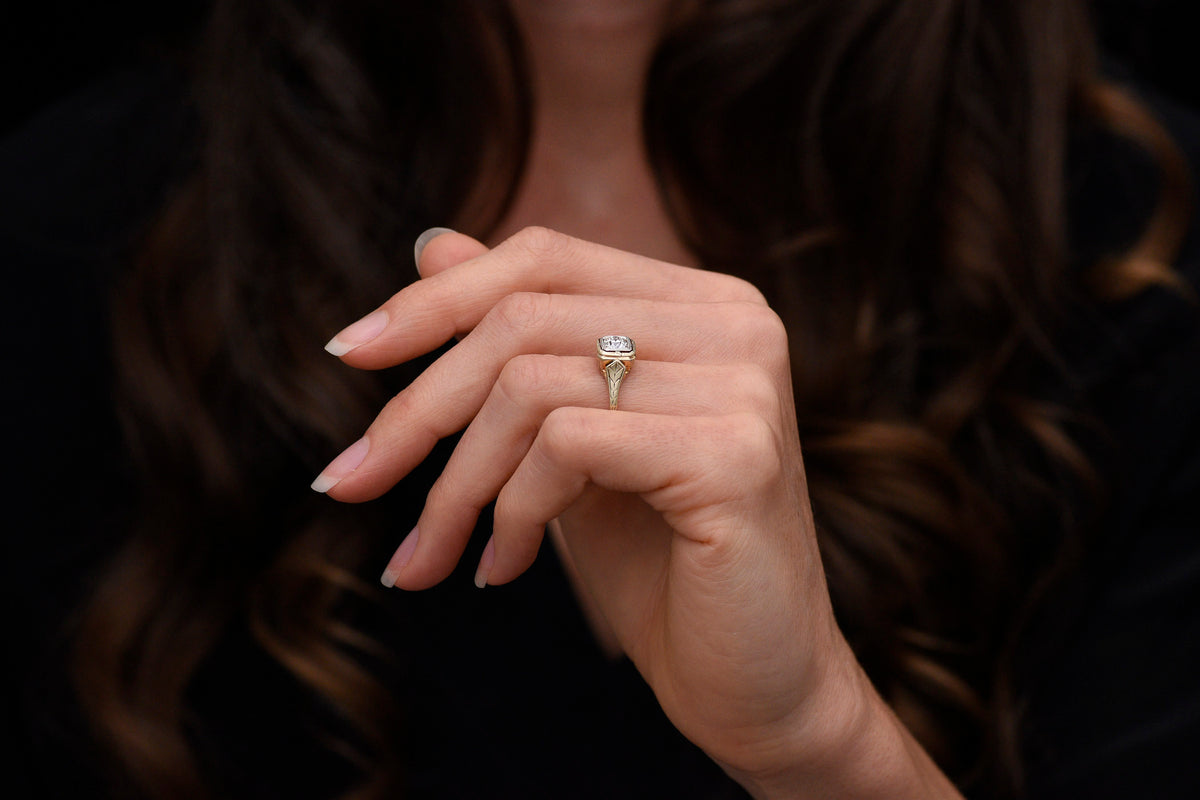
(362, 332)
(425, 238)
(438, 249)
(486, 562)
(400, 558)
(341, 467)
(517, 555)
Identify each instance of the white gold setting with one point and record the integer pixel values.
(613, 346)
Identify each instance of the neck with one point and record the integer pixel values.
(588, 62)
(587, 173)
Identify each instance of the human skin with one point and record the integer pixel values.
(683, 516)
(685, 513)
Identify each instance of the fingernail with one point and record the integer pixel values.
(400, 559)
(485, 563)
(424, 239)
(341, 466)
(358, 334)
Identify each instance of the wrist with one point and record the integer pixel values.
(846, 743)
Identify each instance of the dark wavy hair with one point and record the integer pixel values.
(902, 161)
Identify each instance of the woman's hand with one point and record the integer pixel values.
(685, 512)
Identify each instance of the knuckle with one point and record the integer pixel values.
(763, 332)
(541, 244)
(562, 431)
(527, 375)
(410, 409)
(756, 388)
(403, 405)
(439, 496)
(507, 508)
(742, 291)
(751, 447)
(520, 311)
(769, 327)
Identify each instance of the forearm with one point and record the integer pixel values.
(851, 746)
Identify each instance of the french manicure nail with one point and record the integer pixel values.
(341, 466)
(358, 334)
(424, 239)
(400, 559)
(485, 563)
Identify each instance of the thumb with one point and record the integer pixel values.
(438, 249)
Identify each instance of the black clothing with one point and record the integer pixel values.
(504, 690)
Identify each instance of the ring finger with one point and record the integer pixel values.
(528, 389)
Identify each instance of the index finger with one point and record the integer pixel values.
(430, 312)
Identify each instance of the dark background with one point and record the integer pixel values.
(53, 47)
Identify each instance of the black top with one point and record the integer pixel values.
(505, 693)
